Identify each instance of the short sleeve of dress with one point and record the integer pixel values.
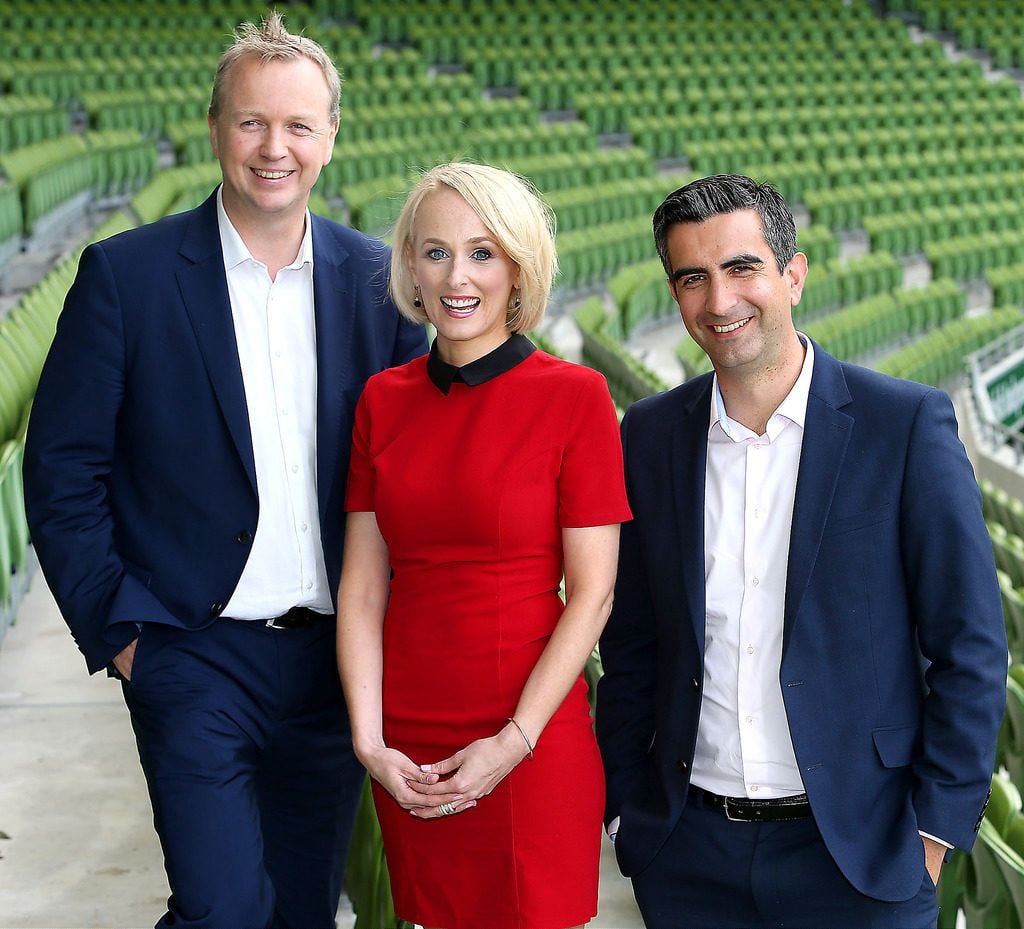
(591, 485)
(360, 494)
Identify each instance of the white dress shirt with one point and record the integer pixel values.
(275, 331)
(744, 747)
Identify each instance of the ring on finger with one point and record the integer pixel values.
(446, 809)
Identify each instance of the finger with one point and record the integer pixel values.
(438, 792)
(444, 767)
(421, 812)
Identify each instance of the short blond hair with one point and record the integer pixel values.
(520, 222)
(270, 41)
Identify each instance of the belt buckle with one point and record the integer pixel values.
(726, 808)
(272, 624)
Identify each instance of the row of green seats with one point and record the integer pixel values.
(722, 156)
(1008, 549)
(929, 173)
(1012, 599)
(845, 205)
(581, 208)
(970, 256)
(147, 110)
(940, 354)
(158, 197)
(370, 94)
(837, 283)
(1000, 507)
(589, 256)
(58, 49)
(374, 204)
(1007, 284)
(10, 213)
(628, 379)
(445, 119)
(906, 232)
(693, 358)
(29, 118)
(50, 173)
(887, 318)
(642, 111)
(709, 87)
(13, 530)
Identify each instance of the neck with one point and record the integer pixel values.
(463, 353)
(751, 397)
(273, 239)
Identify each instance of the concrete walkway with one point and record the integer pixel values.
(77, 846)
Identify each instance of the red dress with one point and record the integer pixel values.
(471, 490)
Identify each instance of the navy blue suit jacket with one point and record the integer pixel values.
(894, 648)
(140, 483)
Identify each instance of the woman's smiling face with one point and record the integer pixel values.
(465, 277)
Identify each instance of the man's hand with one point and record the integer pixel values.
(124, 660)
(933, 855)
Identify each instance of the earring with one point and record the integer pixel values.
(517, 303)
(417, 300)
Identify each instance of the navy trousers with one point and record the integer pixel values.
(717, 874)
(245, 744)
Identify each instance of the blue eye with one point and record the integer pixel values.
(436, 254)
(481, 254)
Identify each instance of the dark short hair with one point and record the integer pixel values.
(725, 193)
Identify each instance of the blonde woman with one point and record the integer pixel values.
(480, 475)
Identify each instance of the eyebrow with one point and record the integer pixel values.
(744, 259)
(474, 241)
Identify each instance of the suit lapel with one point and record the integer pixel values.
(827, 433)
(334, 320)
(204, 290)
(689, 464)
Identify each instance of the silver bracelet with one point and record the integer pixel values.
(523, 734)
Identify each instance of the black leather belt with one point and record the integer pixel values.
(745, 810)
(298, 617)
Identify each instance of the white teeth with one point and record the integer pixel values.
(271, 175)
(732, 327)
(460, 303)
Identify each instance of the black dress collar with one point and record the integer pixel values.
(504, 358)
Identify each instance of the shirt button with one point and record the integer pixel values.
(749, 720)
(304, 527)
(750, 649)
(295, 469)
(309, 585)
(753, 788)
(277, 354)
(754, 581)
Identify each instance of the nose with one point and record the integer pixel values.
(720, 298)
(273, 146)
(458, 271)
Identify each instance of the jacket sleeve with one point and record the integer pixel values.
(68, 459)
(950, 571)
(625, 715)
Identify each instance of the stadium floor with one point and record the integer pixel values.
(76, 834)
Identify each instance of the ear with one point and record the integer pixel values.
(672, 289)
(332, 134)
(796, 277)
(212, 123)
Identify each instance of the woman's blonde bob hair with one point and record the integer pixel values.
(513, 213)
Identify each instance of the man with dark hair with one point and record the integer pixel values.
(805, 663)
(184, 474)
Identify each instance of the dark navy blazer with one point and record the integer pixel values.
(894, 648)
(140, 484)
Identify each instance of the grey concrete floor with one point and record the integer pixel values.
(77, 846)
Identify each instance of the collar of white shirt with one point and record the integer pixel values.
(792, 408)
(236, 251)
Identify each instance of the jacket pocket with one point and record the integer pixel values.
(896, 745)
